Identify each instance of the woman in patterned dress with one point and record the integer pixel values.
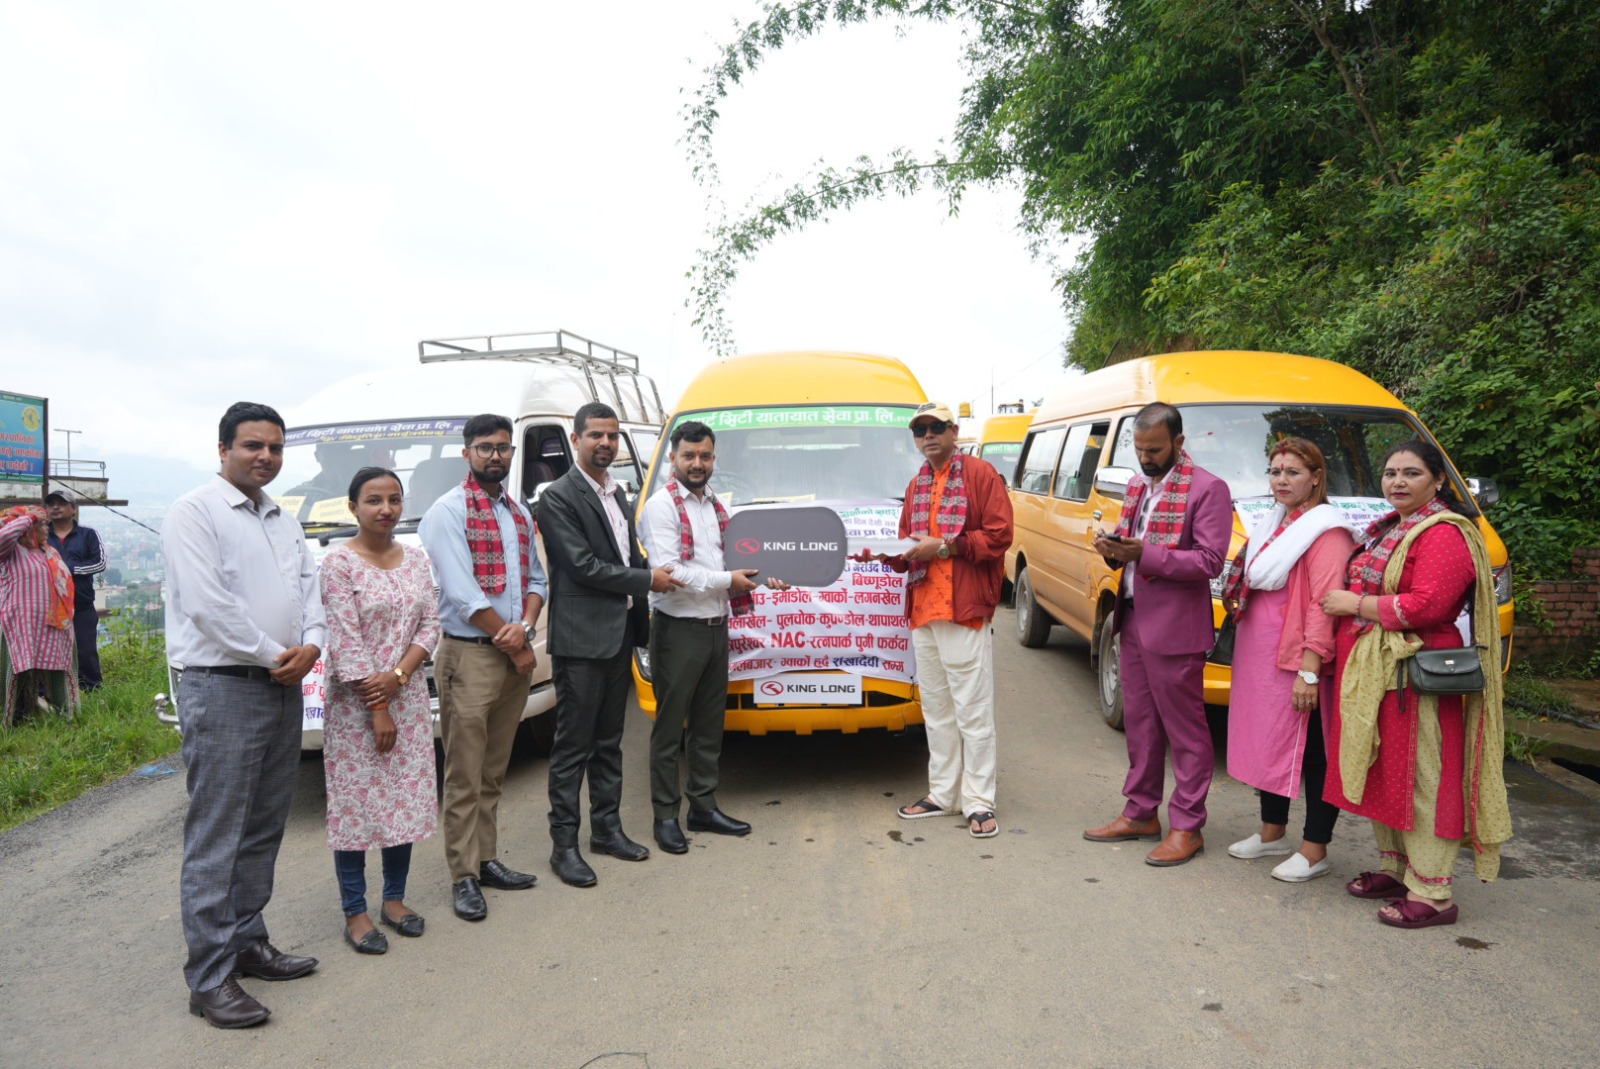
(36, 643)
(1426, 769)
(383, 622)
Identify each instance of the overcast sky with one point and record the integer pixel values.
(204, 203)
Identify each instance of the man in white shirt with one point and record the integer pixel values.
(244, 625)
(682, 527)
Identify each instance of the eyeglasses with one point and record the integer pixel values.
(934, 427)
(487, 450)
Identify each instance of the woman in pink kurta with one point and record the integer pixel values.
(1282, 660)
(36, 643)
(383, 622)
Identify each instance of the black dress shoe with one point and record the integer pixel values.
(266, 962)
(371, 943)
(619, 845)
(410, 925)
(670, 837)
(568, 864)
(493, 873)
(227, 1006)
(469, 902)
(716, 821)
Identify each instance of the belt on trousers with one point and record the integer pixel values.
(476, 640)
(709, 621)
(238, 671)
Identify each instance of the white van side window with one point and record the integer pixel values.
(1036, 469)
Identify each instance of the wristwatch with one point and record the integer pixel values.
(945, 550)
(403, 677)
(1308, 677)
(528, 633)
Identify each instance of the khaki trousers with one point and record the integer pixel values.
(481, 698)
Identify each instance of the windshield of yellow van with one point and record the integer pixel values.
(1230, 441)
(319, 461)
(807, 452)
(1003, 455)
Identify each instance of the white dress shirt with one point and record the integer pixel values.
(705, 582)
(1153, 489)
(241, 584)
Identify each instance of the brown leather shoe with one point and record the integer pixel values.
(266, 962)
(1177, 848)
(227, 1006)
(1123, 829)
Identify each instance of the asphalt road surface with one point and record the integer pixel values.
(835, 936)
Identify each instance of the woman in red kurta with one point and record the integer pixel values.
(1432, 781)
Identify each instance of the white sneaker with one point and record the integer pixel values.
(1298, 870)
(1253, 847)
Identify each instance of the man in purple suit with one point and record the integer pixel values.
(1171, 542)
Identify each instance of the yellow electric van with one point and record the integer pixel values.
(1000, 441)
(824, 428)
(1078, 457)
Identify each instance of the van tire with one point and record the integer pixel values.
(1108, 646)
(536, 736)
(1033, 624)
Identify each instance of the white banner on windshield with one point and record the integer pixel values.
(1358, 511)
(857, 624)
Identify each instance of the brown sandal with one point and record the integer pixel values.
(1375, 885)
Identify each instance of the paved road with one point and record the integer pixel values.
(835, 936)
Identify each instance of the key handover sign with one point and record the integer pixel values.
(801, 546)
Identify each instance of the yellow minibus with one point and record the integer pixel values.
(1078, 457)
(823, 428)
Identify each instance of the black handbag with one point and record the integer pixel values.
(1453, 671)
(1222, 652)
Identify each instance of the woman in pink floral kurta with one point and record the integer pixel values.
(383, 621)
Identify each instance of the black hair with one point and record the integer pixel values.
(693, 431)
(366, 475)
(481, 426)
(592, 410)
(1432, 458)
(245, 412)
(1159, 413)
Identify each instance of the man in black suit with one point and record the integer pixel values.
(599, 611)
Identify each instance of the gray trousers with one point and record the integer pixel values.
(689, 669)
(241, 743)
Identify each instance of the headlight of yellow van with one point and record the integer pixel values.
(1502, 583)
(641, 657)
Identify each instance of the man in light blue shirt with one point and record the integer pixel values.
(491, 589)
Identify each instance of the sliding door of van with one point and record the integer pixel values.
(1075, 523)
(1037, 538)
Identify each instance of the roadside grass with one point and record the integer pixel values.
(48, 761)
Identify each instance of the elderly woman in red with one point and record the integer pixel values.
(1425, 768)
(36, 652)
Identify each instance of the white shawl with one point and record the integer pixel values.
(1269, 568)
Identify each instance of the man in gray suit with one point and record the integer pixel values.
(244, 626)
(598, 613)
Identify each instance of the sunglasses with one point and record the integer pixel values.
(934, 427)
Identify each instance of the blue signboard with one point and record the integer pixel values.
(22, 438)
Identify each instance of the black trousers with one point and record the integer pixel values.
(591, 707)
(85, 628)
(689, 666)
(1320, 815)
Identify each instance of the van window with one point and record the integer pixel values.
(807, 452)
(1038, 461)
(319, 461)
(1003, 455)
(1079, 459)
(543, 455)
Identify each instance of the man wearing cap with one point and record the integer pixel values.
(958, 511)
(80, 547)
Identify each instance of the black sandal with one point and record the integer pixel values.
(976, 821)
(929, 808)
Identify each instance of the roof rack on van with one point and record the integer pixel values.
(565, 349)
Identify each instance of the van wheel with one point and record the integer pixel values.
(536, 736)
(1109, 657)
(1033, 626)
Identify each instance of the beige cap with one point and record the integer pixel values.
(933, 410)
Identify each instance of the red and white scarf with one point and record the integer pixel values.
(740, 604)
(952, 508)
(1167, 515)
(483, 540)
(1383, 536)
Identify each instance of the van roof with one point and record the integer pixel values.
(456, 388)
(1006, 427)
(802, 377)
(1222, 377)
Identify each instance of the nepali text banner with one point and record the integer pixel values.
(856, 624)
(22, 444)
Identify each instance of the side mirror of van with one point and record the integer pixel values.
(1485, 491)
(538, 492)
(1112, 482)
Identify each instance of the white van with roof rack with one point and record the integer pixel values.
(410, 419)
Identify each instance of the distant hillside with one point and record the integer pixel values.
(152, 481)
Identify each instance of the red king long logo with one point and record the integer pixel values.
(747, 546)
(772, 688)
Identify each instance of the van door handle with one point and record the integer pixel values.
(1095, 514)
